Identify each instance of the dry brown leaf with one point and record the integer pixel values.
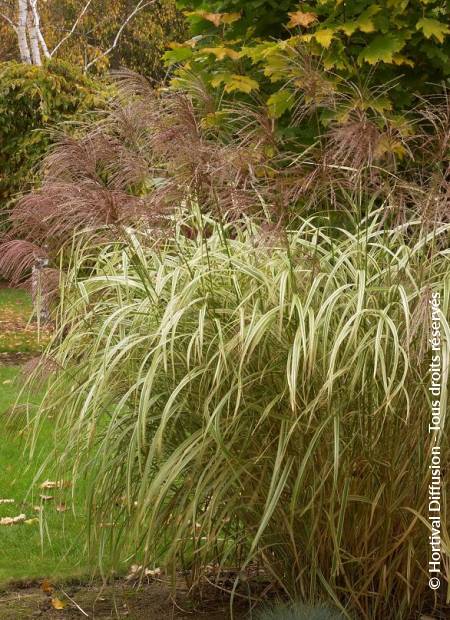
(152, 572)
(298, 18)
(47, 587)
(61, 507)
(58, 603)
(215, 18)
(137, 570)
(55, 484)
(13, 520)
(48, 484)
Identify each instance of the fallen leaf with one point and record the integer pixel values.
(46, 498)
(31, 521)
(13, 520)
(47, 587)
(48, 484)
(136, 570)
(58, 603)
(61, 507)
(152, 573)
(55, 484)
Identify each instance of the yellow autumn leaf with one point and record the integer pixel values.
(241, 83)
(214, 18)
(348, 28)
(58, 603)
(222, 52)
(229, 18)
(433, 28)
(233, 82)
(298, 18)
(189, 43)
(324, 37)
(399, 59)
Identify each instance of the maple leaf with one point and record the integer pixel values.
(215, 18)
(58, 603)
(229, 18)
(234, 82)
(279, 102)
(383, 48)
(298, 18)
(222, 52)
(324, 37)
(433, 28)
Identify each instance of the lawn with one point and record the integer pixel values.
(48, 543)
(18, 334)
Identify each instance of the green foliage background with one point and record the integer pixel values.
(32, 99)
(401, 43)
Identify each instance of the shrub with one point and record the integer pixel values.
(405, 45)
(32, 99)
(155, 150)
(238, 396)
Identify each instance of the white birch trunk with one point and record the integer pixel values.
(22, 31)
(37, 26)
(34, 39)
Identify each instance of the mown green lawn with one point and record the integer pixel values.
(17, 333)
(50, 542)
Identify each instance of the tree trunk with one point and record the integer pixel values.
(37, 27)
(22, 31)
(38, 295)
(34, 39)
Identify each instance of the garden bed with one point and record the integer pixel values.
(118, 600)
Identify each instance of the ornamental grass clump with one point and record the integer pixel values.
(236, 400)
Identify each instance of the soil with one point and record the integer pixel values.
(153, 601)
(15, 358)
